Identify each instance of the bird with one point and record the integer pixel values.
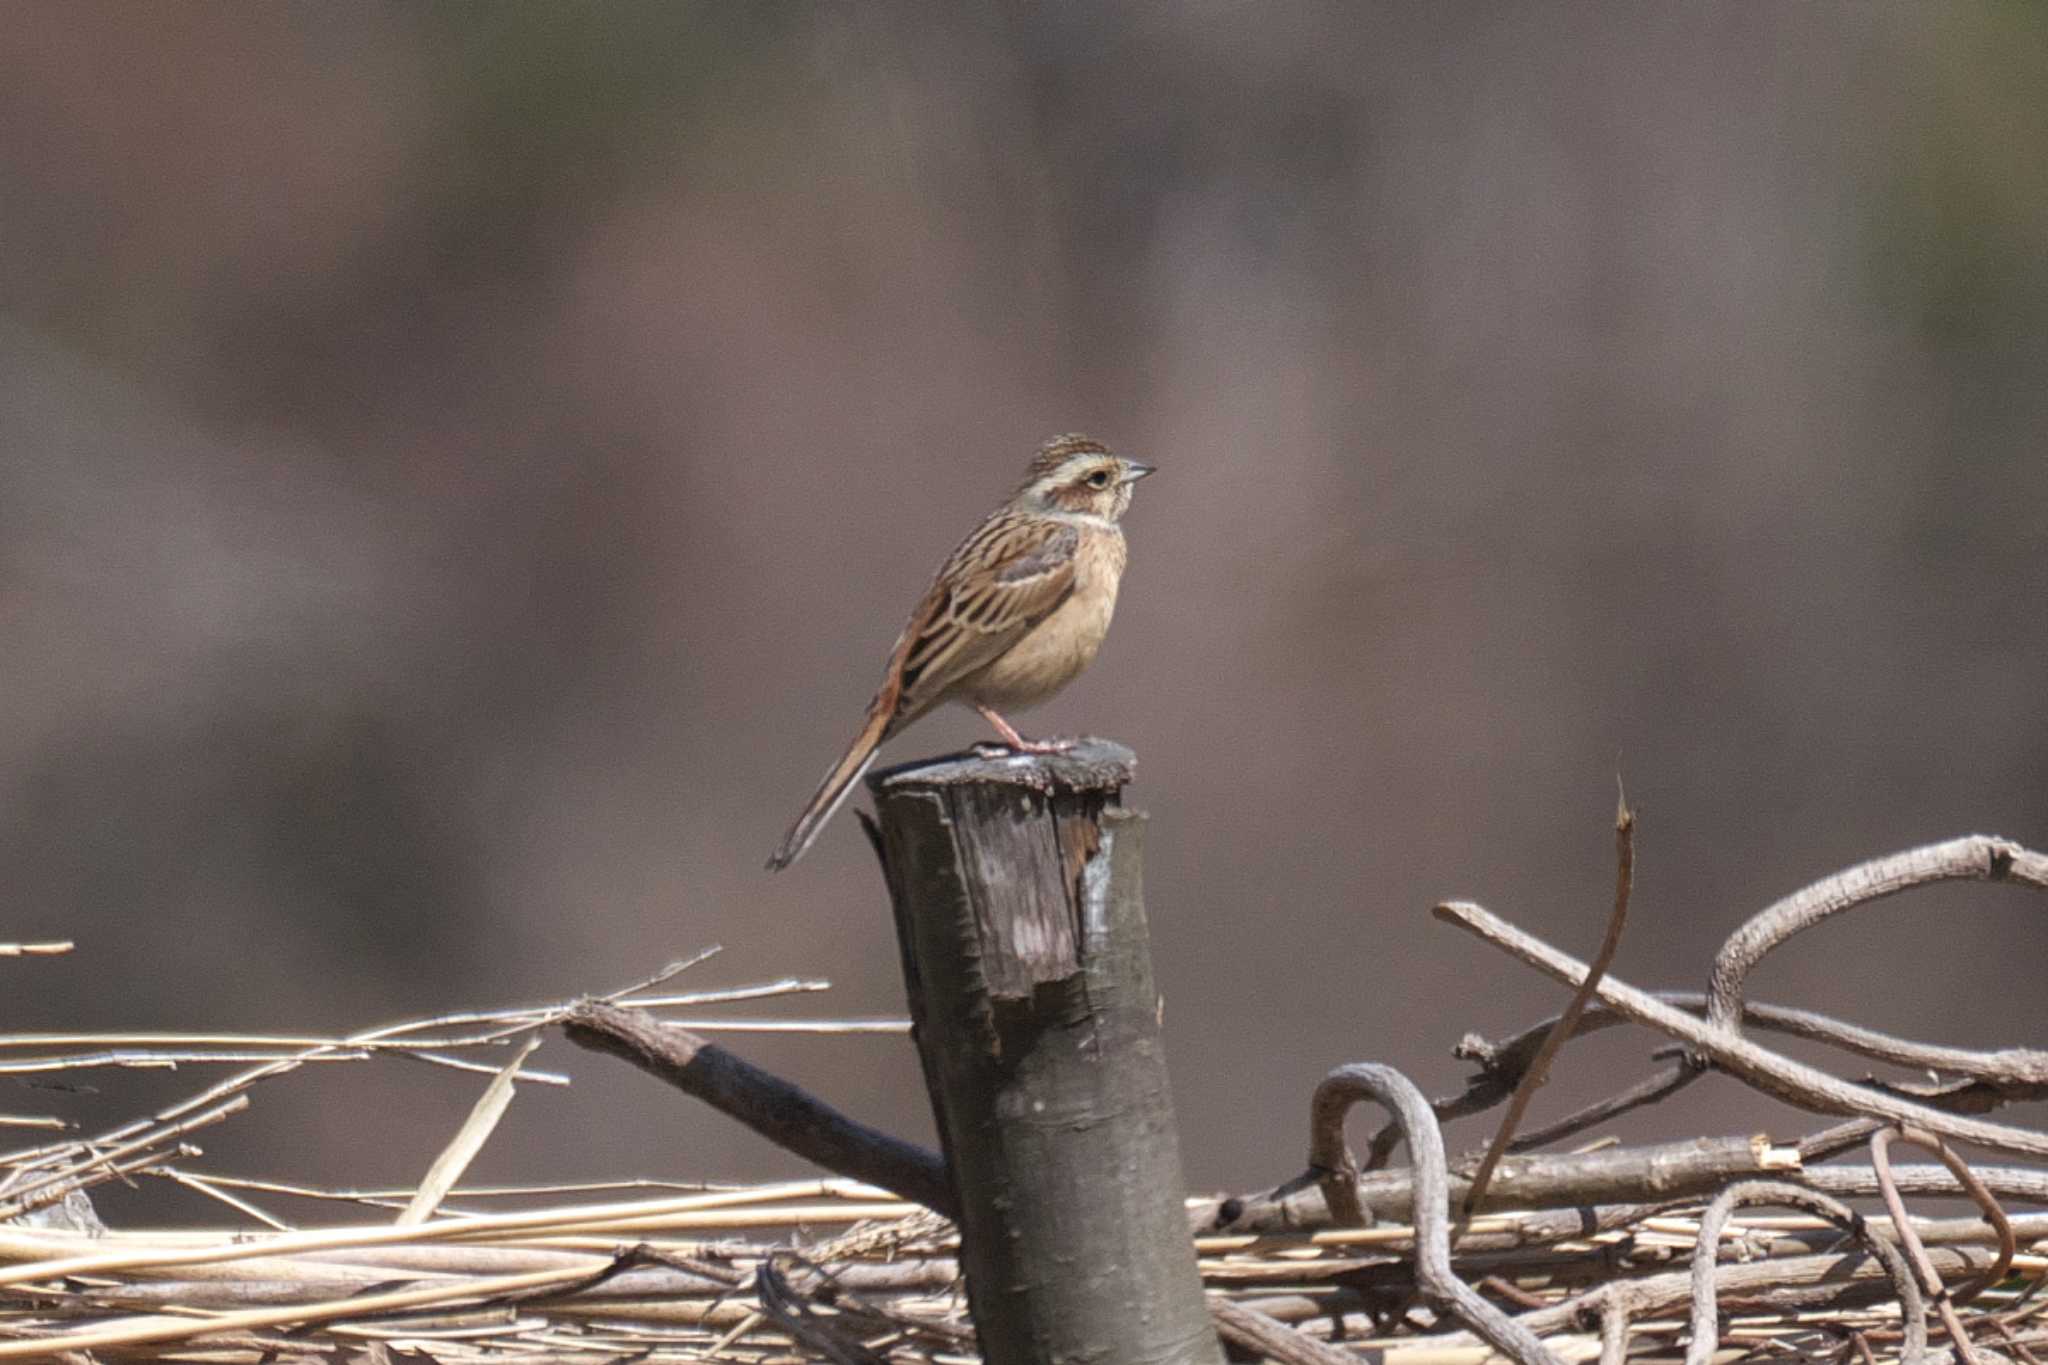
(1013, 615)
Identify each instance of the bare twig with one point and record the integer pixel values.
(1794, 1082)
(1822, 1278)
(1988, 1205)
(1270, 1338)
(784, 1114)
(1649, 1090)
(46, 1122)
(166, 1059)
(1695, 1168)
(2011, 1073)
(110, 1160)
(815, 1330)
(1567, 1022)
(1860, 1182)
(213, 1191)
(1508, 1057)
(1613, 1333)
(1975, 857)
(1945, 1302)
(48, 949)
(144, 1330)
(1361, 1080)
(665, 975)
(1836, 1139)
(1705, 1324)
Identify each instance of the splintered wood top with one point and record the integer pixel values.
(1091, 765)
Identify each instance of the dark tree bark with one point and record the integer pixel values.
(791, 1118)
(1019, 909)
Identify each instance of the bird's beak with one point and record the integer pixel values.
(1133, 471)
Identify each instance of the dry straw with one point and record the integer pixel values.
(1662, 1251)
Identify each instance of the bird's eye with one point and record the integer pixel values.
(1099, 479)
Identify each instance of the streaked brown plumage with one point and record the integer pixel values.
(1014, 614)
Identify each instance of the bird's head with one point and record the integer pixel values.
(1077, 474)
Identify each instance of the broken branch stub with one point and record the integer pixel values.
(1015, 880)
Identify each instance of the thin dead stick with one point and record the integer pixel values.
(174, 1039)
(20, 1197)
(1659, 1172)
(1796, 1083)
(1945, 1302)
(1649, 1090)
(1793, 1278)
(142, 1331)
(876, 1321)
(510, 1023)
(1705, 1317)
(145, 1059)
(721, 1209)
(748, 1324)
(157, 1041)
(804, 1324)
(1431, 1213)
(168, 1059)
(400, 1194)
(525, 1020)
(513, 1023)
(2018, 1347)
(174, 1049)
(1568, 1020)
(77, 1179)
(48, 949)
(664, 1277)
(1994, 1214)
(786, 1115)
(1975, 857)
(766, 990)
(825, 1026)
(519, 1021)
(1504, 1062)
(1270, 1338)
(1613, 1333)
(211, 1190)
(668, 973)
(1860, 1182)
(1836, 1139)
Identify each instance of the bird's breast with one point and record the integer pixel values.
(1054, 651)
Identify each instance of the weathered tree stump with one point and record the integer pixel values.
(1020, 913)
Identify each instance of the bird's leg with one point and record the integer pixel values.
(1017, 742)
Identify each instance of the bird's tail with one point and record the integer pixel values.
(833, 791)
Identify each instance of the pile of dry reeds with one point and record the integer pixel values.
(1646, 1252)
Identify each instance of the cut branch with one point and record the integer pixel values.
(786, 1115)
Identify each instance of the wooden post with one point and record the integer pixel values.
(1016, 885)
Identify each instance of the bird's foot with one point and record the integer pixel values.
(1044, 746)
(1015, 742)
(990, 748)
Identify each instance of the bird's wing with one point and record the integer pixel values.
(1012, 573)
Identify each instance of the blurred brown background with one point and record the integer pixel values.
(464, 465)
